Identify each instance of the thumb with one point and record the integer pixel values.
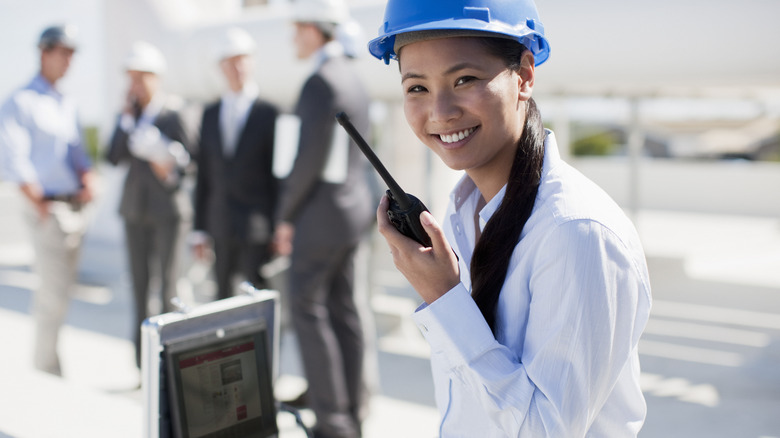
(433, 230)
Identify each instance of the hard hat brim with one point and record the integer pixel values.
(383, 47)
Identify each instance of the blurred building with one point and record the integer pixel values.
(667, 79)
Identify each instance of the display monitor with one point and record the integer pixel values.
(220, 383)
(208, 371)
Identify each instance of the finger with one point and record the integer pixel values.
(381, 209)
(434, 231)
(386, 228)
(384, 225)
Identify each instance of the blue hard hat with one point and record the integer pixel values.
(515, 19)
(64, 35)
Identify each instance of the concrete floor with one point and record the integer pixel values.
(709, 355)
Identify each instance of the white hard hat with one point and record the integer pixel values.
(145, 57)
(350, 35)
(320, 11)
(235, 42)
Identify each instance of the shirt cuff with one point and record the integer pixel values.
(21, 174)
(198, 237)
(454, 326)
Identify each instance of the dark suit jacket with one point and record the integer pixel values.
(327, 214)
(145, 197)
(236, 196)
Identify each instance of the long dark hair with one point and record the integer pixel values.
(490, 261)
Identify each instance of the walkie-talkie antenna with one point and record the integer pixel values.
(400, 196)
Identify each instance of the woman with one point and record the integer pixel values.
(536, 289)
(150, 137)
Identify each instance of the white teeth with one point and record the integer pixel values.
(452, 138)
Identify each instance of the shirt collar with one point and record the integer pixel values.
(249, 92)
(466, 188)
(43, 86)
(551, 154)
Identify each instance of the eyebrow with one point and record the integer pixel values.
(453, 69)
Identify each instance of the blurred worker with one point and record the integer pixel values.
(150, 136)
(236, 192)
(43, 152)
(325, 210)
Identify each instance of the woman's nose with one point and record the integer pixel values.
(445, 108)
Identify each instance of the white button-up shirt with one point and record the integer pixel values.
(234, 110)
(576, 298)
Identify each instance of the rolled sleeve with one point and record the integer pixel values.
(15, 147)
(79, 158)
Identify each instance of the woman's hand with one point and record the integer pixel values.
(431, 271)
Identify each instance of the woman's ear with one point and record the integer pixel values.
(525, 76)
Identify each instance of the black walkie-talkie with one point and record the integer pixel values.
(405, 209)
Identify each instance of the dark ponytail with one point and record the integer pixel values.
(490, 261)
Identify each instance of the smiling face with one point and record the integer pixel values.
(466, 105)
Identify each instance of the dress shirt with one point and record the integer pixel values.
(40, 139)
(564, 360)
(233, 112)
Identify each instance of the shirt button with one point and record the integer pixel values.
(423, 328)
